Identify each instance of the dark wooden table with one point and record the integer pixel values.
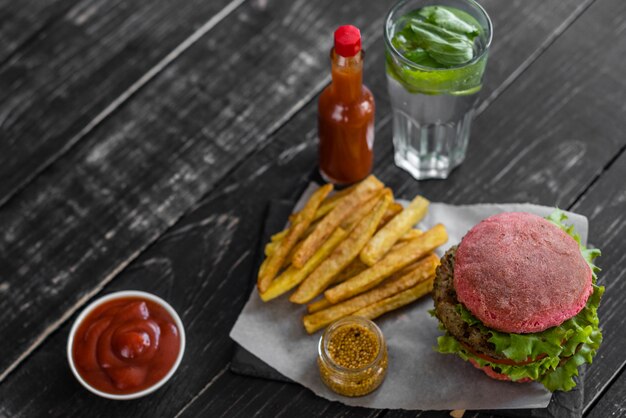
(140, 142)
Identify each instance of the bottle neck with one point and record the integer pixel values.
(347, 74)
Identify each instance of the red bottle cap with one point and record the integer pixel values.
(347, 40)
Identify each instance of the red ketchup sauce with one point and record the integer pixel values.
(126, 345)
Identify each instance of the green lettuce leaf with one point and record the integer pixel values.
(556, 352)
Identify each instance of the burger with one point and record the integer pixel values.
(518, 299)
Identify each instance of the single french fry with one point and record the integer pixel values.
(318, 305)
(392, 262)
(270, 248)
(410, 234)
(393, 209)
(402, 242)
(299, 226)
(280, 235)
(345, 252)
(331, 221)
(389, 234)
(397, 301)
(292, 277)
(320, 318)
(404, 270)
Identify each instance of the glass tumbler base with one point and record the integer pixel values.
(423, 171)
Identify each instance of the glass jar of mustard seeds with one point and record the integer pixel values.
(352, 356)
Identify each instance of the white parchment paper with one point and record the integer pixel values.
(418, 377)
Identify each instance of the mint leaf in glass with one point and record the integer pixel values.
(446, 47)
(446, 18)
(445, 34)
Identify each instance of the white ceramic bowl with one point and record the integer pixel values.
(117, 295)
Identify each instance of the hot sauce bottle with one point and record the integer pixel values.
(346, 114)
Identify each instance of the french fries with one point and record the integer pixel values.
(284, 246)
(292, 277)
(354, 268)
(318, 305)
(331, 202)
(355, 217)
(410, 234)
(332, 220)
(279, 235)
(397, 301)
(394, 261)
(345, 252)
(357, 249)
(388, 235)
(328, 204)
(422, 271)
(392, 211)
(270, 248)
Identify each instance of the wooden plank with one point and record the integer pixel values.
(23, 22)
(110, 197)
(267, 399)
(612, 403)
(605, 206)
(80, 67)
(203, 264)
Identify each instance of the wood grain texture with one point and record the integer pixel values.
(84, 59)
(74, 229)
(605, 206)
(267, 398)
(612, 403)
(202, 266)
(209, 292)
(23, 22)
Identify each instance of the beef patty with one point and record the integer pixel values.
(445, 309)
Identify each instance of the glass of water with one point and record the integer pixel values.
(436, 52)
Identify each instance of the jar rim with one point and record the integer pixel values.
(322, 348)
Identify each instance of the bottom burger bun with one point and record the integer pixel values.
(545, 346)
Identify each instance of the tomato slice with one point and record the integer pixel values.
(507, 361)
(495, 375)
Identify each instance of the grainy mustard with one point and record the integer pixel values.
(352, 356)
